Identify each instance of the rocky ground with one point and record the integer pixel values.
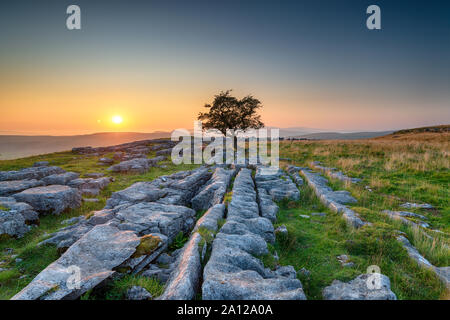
(210, 232)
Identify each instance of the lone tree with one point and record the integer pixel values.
(227, 112)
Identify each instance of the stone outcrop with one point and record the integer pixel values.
(233, 271)
(443, 273)
(360, 289)
(334, 200)
(277, 184)
(30, 173)
(334, 173)
(150, 217)
(401, 216)
(214, 191)
(52, 199)
(268, 208)
(129, 147)
(138, 293)
(293, 172)
(137, 165)
(62, 178)
(90, 186)
(8, 188)
(410, 205)
(184, 281)
(139, 208)
(24, 209)
(211, 217)
(12, 224)
(92, 259)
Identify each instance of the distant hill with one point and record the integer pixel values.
(435, 129)
(435, 134)
(15, 146)
(343, 136)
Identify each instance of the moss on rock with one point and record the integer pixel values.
(149, 243)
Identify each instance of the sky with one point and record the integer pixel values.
(156, 63)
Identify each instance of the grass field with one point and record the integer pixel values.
(410, 166)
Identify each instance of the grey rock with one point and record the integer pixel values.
(160, 274)
(213, 192)
(400, 215)
(27, 211)
(138, 293)
(358, 289)
(293, 172)
(62, 178)
(145, 218)
(89, 186)
(334, 200)
(82, 150)
(138, 165)
(333, 173)
(164, 152)
(305, 272)
(41, 164)
(343, 258)
(442, 272)
(164, 258)
(276, 183)
(52, 199)
(13, 224)
(348, 264)
(304, 216)
(233, 271)
(97, 253)
(267, 207)
(183, 283)
(36, 173)
(105, 161)
(73, 220)
(286, 271)
(162, 146)
(281, 230)
(410, 205)
(319, 214)
(210, 219)
(93, 200)
(8, 188)
(138, 192)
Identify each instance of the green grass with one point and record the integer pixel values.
(35, 259)
(396, 171)
(117, 289)
(315, 243)
(179, 241)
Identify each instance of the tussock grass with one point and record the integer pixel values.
(411, 167)
(315, 243)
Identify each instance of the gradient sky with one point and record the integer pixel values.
(156, 63)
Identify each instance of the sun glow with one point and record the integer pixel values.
(117, 119)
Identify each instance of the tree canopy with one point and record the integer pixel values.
(228, 112)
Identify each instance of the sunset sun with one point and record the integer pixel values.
(117, 119)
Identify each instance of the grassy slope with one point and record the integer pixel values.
(35, 259)
(397, 170)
